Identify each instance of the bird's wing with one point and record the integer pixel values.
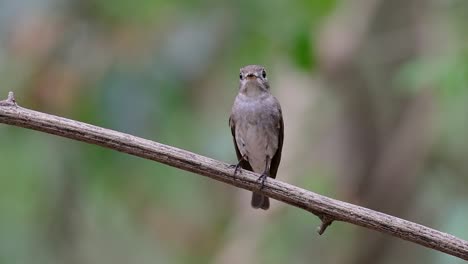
(244, 163)
(275, 161)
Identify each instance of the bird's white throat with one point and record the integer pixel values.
(252, 89)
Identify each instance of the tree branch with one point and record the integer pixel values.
(327, 209)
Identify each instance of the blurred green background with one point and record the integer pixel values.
(375, 101)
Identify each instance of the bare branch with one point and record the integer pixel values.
(326, 208)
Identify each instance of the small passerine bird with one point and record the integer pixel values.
(257, 128)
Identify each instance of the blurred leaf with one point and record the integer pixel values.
(448, 75)
(302, 51)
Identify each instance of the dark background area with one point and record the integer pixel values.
(375, 101)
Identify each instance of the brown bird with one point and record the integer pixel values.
(257, 128)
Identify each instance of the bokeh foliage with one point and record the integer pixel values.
(167, 71)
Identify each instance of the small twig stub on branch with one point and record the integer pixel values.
(10, 101)
(326, 221)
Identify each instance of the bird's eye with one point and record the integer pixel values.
(263, 73)
(241, 76)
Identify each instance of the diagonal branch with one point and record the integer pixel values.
(325, 208)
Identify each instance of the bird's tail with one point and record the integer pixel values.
(260, 201)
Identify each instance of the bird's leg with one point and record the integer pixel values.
(237, 166)
(266, 172)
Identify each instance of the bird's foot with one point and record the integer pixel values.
(262, 180)
(235, 167)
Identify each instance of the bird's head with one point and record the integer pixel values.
(253, 80)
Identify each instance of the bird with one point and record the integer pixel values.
(257, 128)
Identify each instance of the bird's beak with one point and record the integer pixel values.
(251, 76)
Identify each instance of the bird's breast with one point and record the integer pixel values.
(256, 131)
